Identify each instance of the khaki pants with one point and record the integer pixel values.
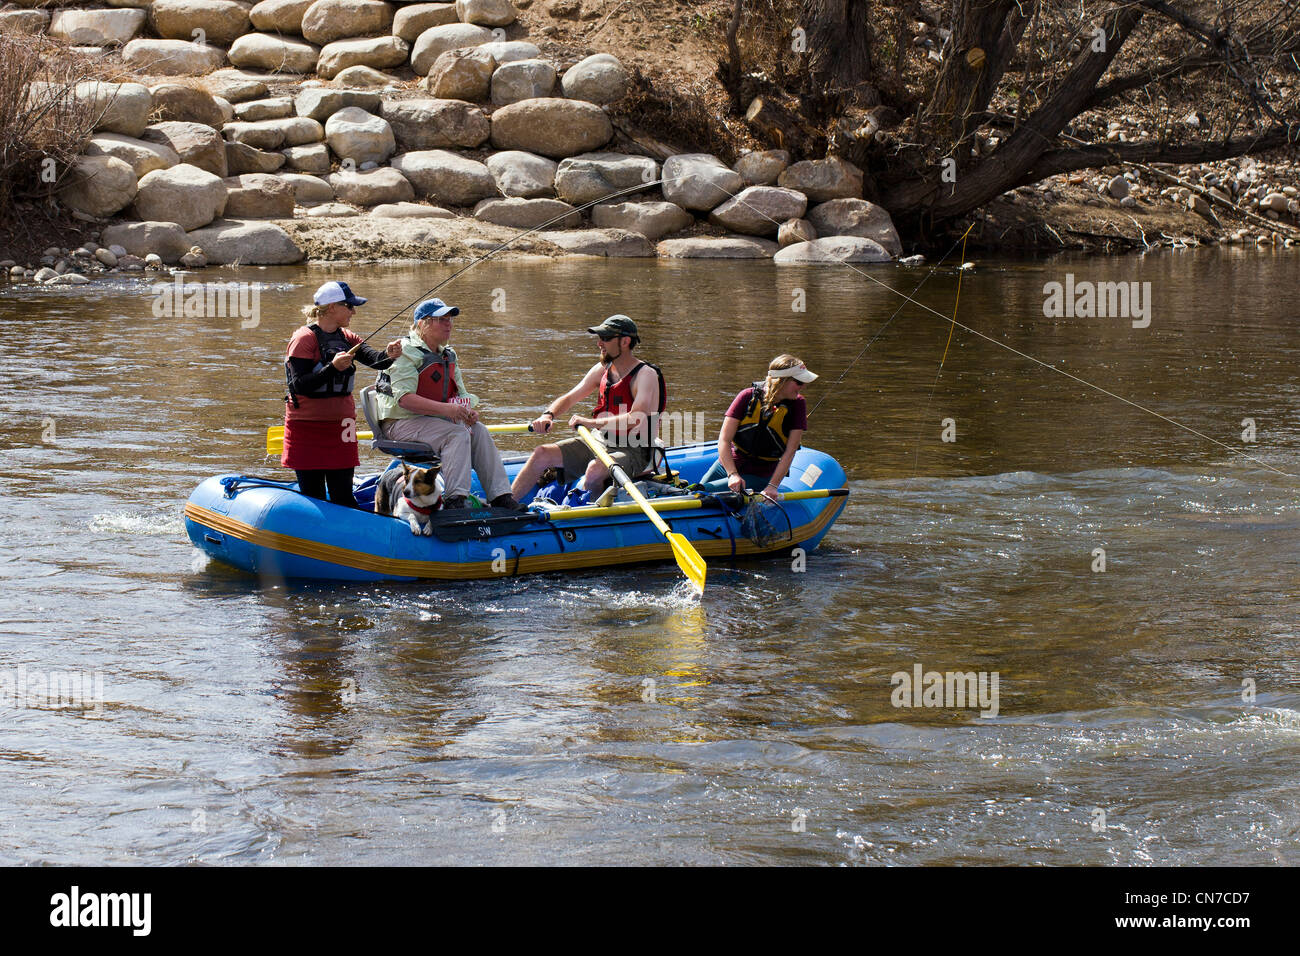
(459, 448)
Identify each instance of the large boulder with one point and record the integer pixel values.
(172, 57)
(259, 51)
(362, 137)
(699, 181)
(593, 176)
(857, 217)
(371, 187)
(231, 241)
(328, 20)
(272, 134)
(374, 52)
(186, 195)
(279, 16)
(259, 196)
(832, 250)
(216, 21)
(521, 80)
(552, 127)
(762, 167)
(98, 185)
(241, 159)
(273, 107)
(528, 213)
(823, 179)
(166, 240)
(461, 75)
(308, 190)
(653, 220)
(489, 13)
(312, 158)
(597, 79)
(236, 86)
(143, 157)
(436, 124)
(523, 174)
(446, 177)
(720, 247)
(122, 107)
(189, 104)
(603, 242)
(193, 143)
(435, 41)
(96, 27)
(414, 18)
(759, 210)
(320, 102)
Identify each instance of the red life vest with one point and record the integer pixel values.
(437, 378)
(616, 398)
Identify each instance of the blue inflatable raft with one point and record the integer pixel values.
(267, 527)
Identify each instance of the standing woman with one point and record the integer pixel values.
(320, 442)
(762, 429)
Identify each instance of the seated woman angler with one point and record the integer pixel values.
(762, 430)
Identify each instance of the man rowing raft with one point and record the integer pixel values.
(632, 396)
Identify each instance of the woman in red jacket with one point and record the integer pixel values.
(320, 418)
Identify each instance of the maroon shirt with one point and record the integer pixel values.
(796, 418)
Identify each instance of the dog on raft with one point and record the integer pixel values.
(410, 494)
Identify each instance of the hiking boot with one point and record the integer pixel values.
(454, 503)
(507, 501)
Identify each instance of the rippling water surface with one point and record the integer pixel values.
(612, 717)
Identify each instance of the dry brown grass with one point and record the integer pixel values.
(41, 133)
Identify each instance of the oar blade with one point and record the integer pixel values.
(689, 560)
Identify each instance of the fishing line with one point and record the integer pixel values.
(929, 399)
(1025, 355)
(491, 252)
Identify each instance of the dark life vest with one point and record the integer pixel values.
(437, 376)
(763, 433)
(329, 344)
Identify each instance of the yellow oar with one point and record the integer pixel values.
(688, 559)
(275, 434)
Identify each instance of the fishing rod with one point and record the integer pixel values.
(513, 239)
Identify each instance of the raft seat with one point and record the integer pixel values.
(415, 452)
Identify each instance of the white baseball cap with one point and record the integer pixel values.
(332, 292)
(799, 373)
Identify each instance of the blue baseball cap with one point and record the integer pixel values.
(332, 292)
(434, 309)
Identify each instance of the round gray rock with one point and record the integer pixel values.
(521, 80)
(372, 187)
(552, 127)
(519, 213)
(759, 210)
(259, 51)
(98, 185)
(435, 41)
(354, 134)
(328, 20)
(526, 175)
(857, 217)
(654, 220)
(832, 250)
(435, 124)
(592, 176)
(598, 79)
(248, 243)
(699, 181)
(446, 177)
(184, 194)
(824, 179)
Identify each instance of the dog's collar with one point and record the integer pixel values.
(416, 508)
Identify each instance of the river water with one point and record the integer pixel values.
(1145, 713)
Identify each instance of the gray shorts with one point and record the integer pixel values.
(576, 456)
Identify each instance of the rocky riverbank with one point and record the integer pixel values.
(292, 130)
